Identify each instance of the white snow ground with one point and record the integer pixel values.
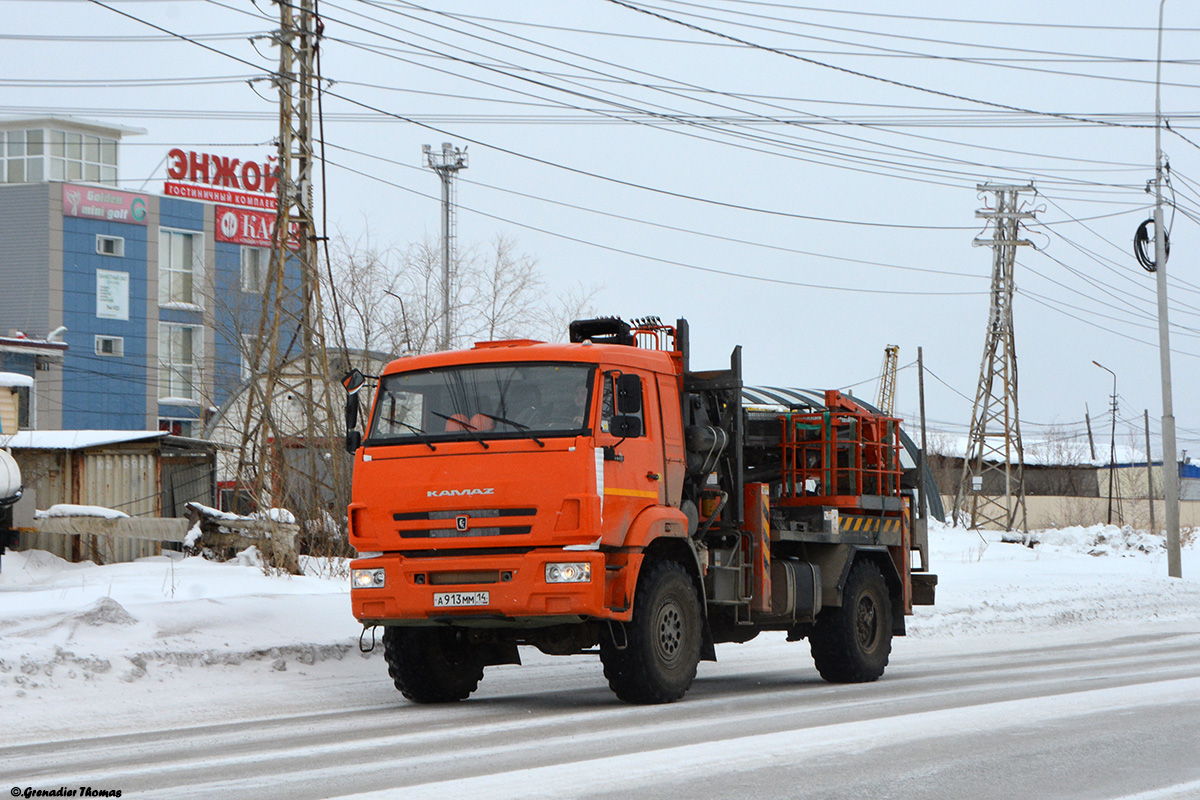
(89, 650)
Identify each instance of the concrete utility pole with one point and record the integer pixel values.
(994, 450)
(1170, 464)
(1087, 417)
(1149, 471)
(446, 164)
(924, 504)
(1112, 446)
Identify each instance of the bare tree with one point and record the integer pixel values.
(392, 301)
(501, 293)
(365, 281)
(577, 302)
(419, 298)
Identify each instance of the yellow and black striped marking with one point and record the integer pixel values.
(852, 524)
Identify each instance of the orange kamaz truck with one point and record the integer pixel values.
(602, 497)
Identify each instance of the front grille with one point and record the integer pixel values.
(474, 513)
(466, 551)
(465, 518)
(467, 578)
(454, 533)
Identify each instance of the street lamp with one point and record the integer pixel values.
(1170, 467)
(1112, 442)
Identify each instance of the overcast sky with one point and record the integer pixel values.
(800, 180)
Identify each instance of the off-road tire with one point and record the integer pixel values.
(852, 643)
(662, 642)
(431, 665)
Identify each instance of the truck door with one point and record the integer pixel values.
(633, 464)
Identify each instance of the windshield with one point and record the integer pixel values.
(483, 402)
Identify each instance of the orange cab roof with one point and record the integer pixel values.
(529, 350)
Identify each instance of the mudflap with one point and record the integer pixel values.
(493, 654)
(708, 650)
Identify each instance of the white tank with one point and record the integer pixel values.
(10, 478)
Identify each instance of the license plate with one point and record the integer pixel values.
(459, 599)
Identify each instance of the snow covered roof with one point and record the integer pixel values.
(15, 379)
(75, 440)
(1051, 452)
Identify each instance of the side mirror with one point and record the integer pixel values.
(625, 426)
(353, 381)
(629, 395)
(351, 412)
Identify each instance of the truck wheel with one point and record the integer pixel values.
(662, 647)
(431, 665)
(851, 644)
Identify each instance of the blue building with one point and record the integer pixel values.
(156, 304)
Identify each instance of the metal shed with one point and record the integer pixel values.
(145, 474)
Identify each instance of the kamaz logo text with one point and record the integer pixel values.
(458, 492)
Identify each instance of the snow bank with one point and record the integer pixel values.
(196, 636)
(1083, 580)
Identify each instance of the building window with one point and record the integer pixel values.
(25, 408)
(34, 155)
(179, 354)
(176, 427)
(110, 245)
(247, 355)
(255, 263)
(180, 267)
(110, 346)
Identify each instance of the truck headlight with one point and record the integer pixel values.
(574, 572)
(366, 578)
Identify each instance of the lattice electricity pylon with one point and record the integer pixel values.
(993, 475)
(288, 456)
(886, 401)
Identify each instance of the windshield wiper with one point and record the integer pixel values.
(471, 430)
(420, 433)
(518, 425)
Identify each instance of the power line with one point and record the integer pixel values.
(663, 226)
(961, 21)
(1055, 307)
(111, 39)
(564, 167)
(669, 262)
(629, 114)
(859, 74)
(56, 83)
(891, 52)
(1073, 58)
(810, 119)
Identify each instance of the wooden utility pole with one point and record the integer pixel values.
(288, 455)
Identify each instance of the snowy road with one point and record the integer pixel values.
(1080, 719)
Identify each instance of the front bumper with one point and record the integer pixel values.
(518, 593)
